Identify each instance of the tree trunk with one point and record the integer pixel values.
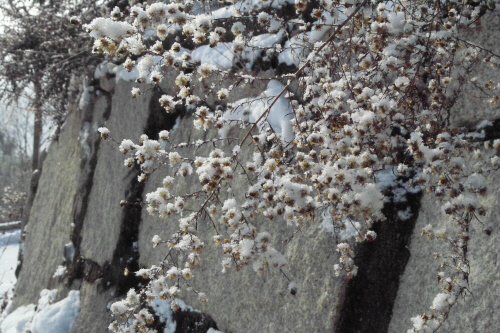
(37, 129)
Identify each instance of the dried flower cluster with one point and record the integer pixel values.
(376, 82)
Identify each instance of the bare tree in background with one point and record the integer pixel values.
(42, 55)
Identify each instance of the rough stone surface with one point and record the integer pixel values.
(324, 303)
(94, 315)
(111, 179)
(236, 299)
(107, 84)
(83, 181)
(49, 227)
(418, 288)
(473, 104)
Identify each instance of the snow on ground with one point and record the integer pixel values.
(9, 248)
(57, 317)
(47, 317)
(50, 316)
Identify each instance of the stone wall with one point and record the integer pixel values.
(77, 205)
(417, 287)
(244, 301)
(80, 188)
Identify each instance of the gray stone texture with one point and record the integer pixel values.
(94, 315)
(111, 178)
(472, 107)
(49, 227)
(418, 283)
(417, 287)
(83, 181)
(245, 301)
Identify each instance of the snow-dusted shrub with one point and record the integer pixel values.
(11, 204)
(376, 82)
